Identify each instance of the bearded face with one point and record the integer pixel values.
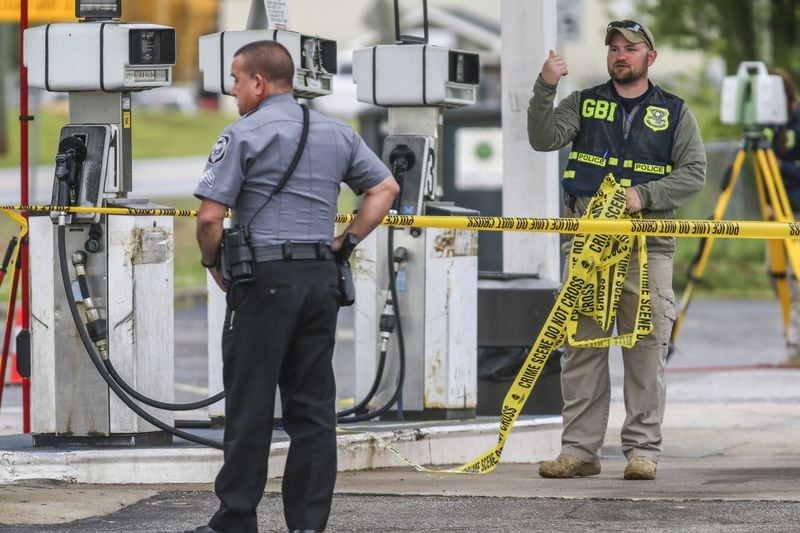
(628, 63)
(626, 71)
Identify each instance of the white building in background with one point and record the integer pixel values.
(582, 25)
(343, 21)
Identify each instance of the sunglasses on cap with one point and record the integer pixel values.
(632, 26)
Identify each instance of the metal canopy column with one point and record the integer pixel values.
(530, 179)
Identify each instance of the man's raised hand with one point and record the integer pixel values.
(554, 67)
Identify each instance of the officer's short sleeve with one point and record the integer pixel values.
(366, 168)
(224, 171)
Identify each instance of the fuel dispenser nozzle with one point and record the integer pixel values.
(400, 255)
(388, 318)
(95, 324)
(94, 242)
(69, 159)
(402, 159)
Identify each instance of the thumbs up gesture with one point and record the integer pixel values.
(554, 67)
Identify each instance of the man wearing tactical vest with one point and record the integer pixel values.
(649, 140)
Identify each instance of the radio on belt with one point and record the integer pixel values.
(66, 57)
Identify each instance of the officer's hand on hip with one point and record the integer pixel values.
(554, 67)
(216, 273)
(632, 199)
(337, 243)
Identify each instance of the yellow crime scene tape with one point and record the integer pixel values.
(596, 260)
(741, 229)
(731, 229)
(130, 211)
(605, 239)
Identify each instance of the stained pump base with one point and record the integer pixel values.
(55, 440)
(432, 414)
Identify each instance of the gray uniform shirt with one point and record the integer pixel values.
(252, 154)
(552, 128)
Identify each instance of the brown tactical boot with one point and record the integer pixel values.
(640, 468)
(567, 466)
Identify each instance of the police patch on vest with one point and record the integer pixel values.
(219, 150)
(656, 118)
(591, 159)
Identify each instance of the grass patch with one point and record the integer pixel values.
(162, 133)
(170, 134)
(735, 269)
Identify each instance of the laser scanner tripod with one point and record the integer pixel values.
(774, 205)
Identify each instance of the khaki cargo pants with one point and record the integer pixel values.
(585, 378)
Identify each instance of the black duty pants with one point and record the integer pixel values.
(279, 330)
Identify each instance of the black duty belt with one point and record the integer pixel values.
(289, 251)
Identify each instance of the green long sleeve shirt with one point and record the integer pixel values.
(551, 128)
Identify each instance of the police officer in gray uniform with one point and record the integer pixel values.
(280, 328)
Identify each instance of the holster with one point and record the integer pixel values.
(347, 288)
(236, 256)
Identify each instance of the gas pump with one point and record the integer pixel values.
(118, 268)
(425, 278)
(315, 65)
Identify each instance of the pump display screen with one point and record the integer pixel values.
(111, 9)
(464, 68)
(152, 47)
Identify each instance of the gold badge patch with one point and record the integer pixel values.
(656, 118)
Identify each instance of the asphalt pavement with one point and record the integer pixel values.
(730, 463)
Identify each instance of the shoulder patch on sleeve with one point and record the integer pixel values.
(219, 150)
(208, 177)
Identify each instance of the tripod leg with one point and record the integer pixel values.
(780, 252)
(699, 262)
(780, 188)
(791, 246)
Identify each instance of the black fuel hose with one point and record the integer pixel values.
(193, 424)
(156, 403)
(95, 357)
(401, 375)
(342, 256)
(371, 394)
(79, 260)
